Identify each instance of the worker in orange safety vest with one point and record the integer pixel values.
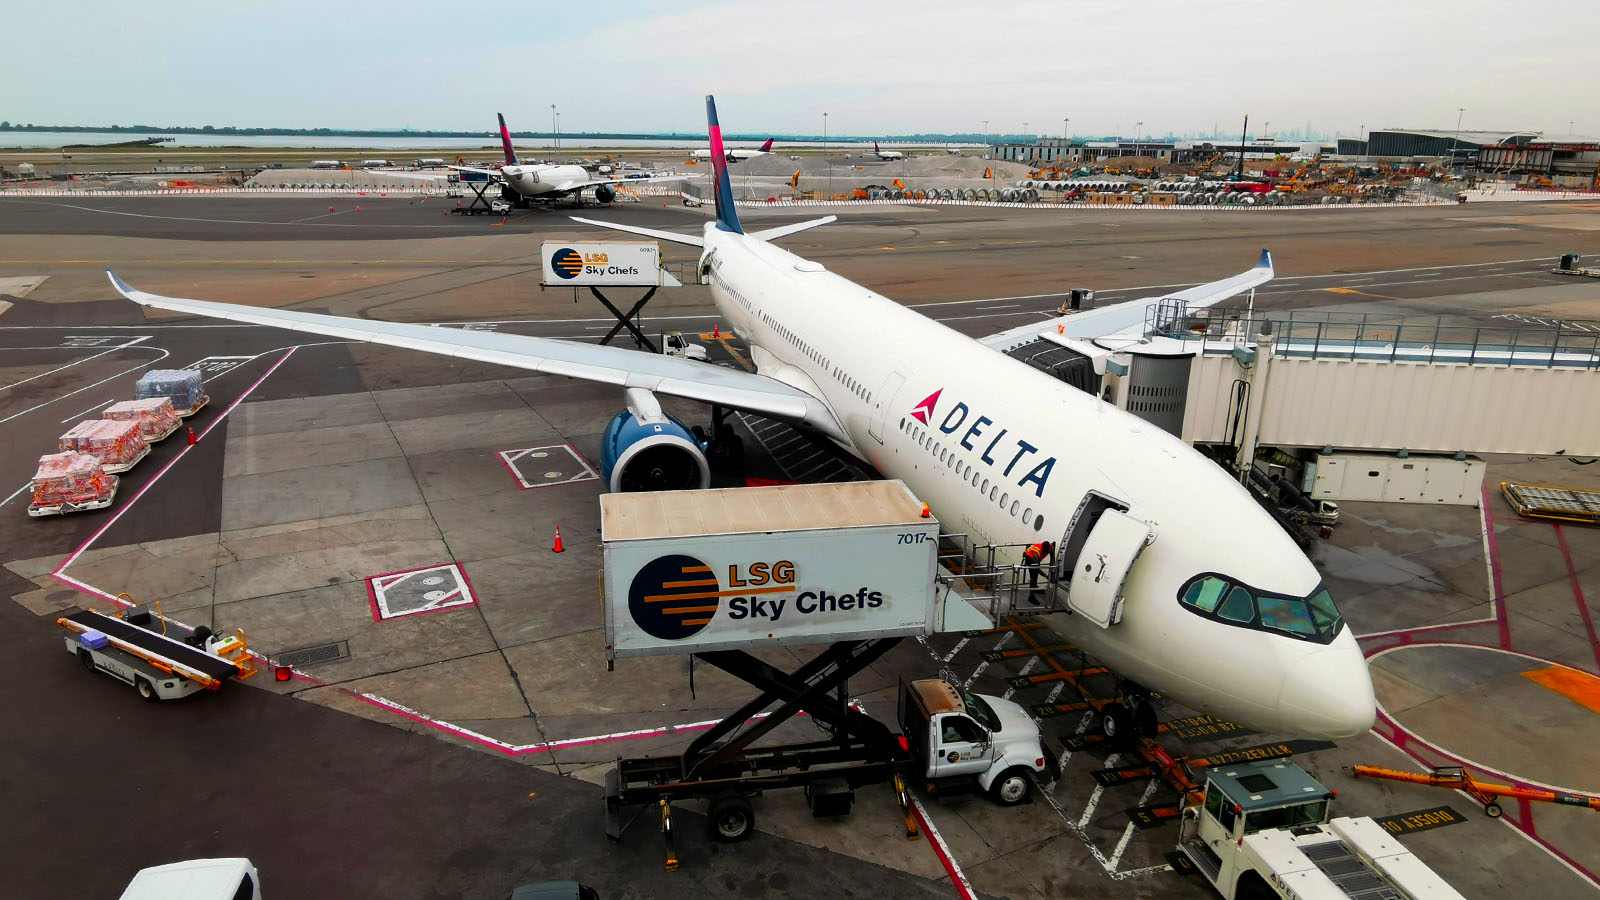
(1032, 558)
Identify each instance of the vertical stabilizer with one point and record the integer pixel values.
(767, 147)
(727, 216)
(505, 141)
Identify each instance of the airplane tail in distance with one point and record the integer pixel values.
(767, 147)
(505, 141)
(727, 216)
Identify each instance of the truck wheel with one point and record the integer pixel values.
(1253, 887)
(87, 659)
(1492, 810)
(1116, 723)
(732, 818)
(1012, 787)
(147, 690)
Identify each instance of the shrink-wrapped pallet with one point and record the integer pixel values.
(155, 416)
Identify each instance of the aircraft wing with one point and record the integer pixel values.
(492, 173)
(568, 187)
(1129, 318)
(675, 377)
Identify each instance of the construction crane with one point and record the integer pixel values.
(1459, 779)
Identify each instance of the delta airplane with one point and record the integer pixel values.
(736, 154)
(544, 183)
(886, 154)
(1178, 580)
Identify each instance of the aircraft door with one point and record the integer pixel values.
(1100, 570)
(963, 747)
(881, 402)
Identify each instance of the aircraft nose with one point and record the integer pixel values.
(1329, 692)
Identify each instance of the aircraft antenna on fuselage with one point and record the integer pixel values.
(505, 141)
(721, 187)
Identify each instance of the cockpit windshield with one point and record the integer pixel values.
(1311, 618)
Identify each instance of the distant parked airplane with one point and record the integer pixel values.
(734, 154)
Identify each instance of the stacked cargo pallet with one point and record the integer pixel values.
(180, 386)
(117, 444)
(69, 482)
(155, 415)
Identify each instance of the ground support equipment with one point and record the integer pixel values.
(227, 658)
(1485, 792)
(1550, 501)
(723, 767)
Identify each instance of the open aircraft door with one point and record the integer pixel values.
(1108, 555)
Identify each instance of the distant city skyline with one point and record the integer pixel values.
(942, 67)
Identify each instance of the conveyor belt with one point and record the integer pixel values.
(156, 644)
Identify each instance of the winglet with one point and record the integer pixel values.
(1266, 260)
(505, 141)
(727, 216)
(122, 286)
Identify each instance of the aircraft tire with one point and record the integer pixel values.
(1116, 723)
(1144, 720)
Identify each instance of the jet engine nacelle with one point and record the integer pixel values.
(605, 193)
(656, 455)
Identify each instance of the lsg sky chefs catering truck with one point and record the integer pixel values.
(723, 574)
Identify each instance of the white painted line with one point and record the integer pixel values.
(942, 850)
(25, 486)
(122, 346)
(1003, 306)
(1026, 668)
(164, 355)
(95, 408)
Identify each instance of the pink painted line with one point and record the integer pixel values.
(170, 463)
(1501, 615)
(1577, 593)
(958, 878)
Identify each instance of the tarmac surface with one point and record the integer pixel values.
(345, 462)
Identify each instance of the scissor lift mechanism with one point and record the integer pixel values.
(722, 766)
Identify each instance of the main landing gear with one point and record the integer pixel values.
(724, 447)
(1128, 718)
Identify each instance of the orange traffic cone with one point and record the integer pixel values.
(358, 209)
(716, 331)
(192, 438)
(330, 209)
(557, 548)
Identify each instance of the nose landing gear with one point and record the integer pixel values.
(1132, 716)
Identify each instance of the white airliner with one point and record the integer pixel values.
(1219, 609)
(544, 183)
(886, 154)
(735, 154)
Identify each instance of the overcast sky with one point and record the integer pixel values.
(910, 66)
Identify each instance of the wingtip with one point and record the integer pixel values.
(121, 286)
(1266, 259)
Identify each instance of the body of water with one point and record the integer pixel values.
(54, 139)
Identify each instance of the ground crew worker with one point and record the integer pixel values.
(1032, 558)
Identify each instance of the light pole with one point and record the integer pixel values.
(1138, 129)
(825, 154)
(555, 129)
(1456, 140)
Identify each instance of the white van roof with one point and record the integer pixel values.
(195, 879)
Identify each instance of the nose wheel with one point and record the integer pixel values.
(1130, 717)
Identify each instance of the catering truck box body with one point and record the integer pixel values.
(691, 571)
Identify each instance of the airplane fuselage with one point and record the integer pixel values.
(1006, 454)
(537, 181)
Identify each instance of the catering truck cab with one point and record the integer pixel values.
(959, 740)
(1263, 832)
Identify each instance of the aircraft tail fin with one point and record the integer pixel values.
(727, 215)
(767, 147)
(505, 141)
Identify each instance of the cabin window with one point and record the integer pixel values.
(985, 488)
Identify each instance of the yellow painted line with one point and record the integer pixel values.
(1341, 290)
(1579, 687)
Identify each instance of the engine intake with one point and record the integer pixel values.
(655, 456)
(605, 193)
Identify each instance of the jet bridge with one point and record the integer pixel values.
(1247, 379)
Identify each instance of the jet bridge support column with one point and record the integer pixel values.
(1259, 369)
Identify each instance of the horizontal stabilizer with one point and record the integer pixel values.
(792, 228)
(692, 240)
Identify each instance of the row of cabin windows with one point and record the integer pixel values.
(816, 356)
(969, 474)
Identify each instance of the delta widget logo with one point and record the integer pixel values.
(567, 262)
(673, 597)
(924, 410)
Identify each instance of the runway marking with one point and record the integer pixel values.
(101, 405)
(942, 850)
(25, 485)
(122, 346)
(164, 355)
(417, 591)
(549, 465)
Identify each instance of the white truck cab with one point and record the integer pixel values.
(958, 737)
(197, 879)
(1263, 833)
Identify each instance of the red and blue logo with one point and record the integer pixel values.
(924, 410)
(994, 444)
